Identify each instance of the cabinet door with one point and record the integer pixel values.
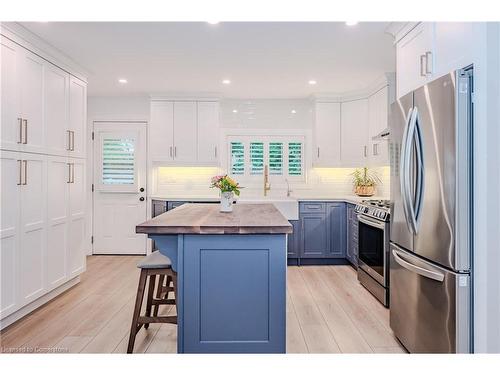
(337, 229)
(161, 131)
(315, 236)
(10, 96)
(56, 93)
(32, 252)
(76, 233)
(185, 132)
(455, 46)
(354, 152)
(32, 96)
(9, 232)
(78, 116)
(327, 134)
(411, 58)
(293, 244)
(378, 149)
(208, 132)
(59, 177)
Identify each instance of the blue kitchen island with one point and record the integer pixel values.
(231, 276)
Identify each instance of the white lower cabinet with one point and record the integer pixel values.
(42, 226)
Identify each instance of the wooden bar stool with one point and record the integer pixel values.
(151, 266)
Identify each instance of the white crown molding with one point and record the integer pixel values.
(399, 29)
(180, 97)
(25, 38)
(386, 79)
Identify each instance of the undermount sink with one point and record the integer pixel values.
(289, 207)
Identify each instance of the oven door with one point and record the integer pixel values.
(373, 245)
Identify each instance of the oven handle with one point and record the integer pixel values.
(371, 223)
(416, 269)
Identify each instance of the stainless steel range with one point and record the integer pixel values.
(373, 251)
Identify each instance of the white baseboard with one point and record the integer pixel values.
(8, 320)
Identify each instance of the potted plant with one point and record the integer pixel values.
(228, 187)
(364, 182)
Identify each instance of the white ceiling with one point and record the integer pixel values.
(262, 60)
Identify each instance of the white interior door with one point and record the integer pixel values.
(119, 187)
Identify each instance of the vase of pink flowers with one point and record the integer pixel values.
(228, 188)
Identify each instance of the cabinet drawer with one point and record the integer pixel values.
(312, 207)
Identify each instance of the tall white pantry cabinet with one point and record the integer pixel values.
(42, 140)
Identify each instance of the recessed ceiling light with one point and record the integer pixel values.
(351, 23)
(312, 82)
(226, 81)
(213, 22)
(122, 80)
(294, 111)
(235, 111)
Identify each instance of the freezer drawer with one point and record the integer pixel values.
(430, 306)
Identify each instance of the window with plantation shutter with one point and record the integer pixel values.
(118, 161)
(256, 158)
(294, 159)
(284, 156)
(237, 158)
(276, 158)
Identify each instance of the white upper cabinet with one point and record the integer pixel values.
(208, 132)
(184, 132)
(58, 137)
(377, 122)
(77, 117)
(354, 133)
(414, 58)
(161, 131)
(11, 123)
(326, 149)
(31, 69)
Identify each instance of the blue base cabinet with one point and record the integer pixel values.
(231, 292)
(352, 235)
(319, 235)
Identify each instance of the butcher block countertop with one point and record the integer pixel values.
(205, 218)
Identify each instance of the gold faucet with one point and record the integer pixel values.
(267, 185)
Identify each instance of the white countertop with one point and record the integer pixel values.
(302, 197)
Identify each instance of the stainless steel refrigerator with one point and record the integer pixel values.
(431, 214)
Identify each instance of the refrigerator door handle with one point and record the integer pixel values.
(430, 274)
(404, 173)
(420, 175)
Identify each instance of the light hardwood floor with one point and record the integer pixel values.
(328, 311)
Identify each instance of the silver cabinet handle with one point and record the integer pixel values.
(428, 62)
(69, 173)
(418, 270)
(170, 151)
(365, 151)
(25, 162)
(422, 66)
(72, 140)
(72, 173)
(318, 152)
(25, 123)
(20, 121)
(175, 151)
(20, 182)
(68, 148)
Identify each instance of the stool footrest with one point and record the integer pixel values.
(163, 302)
(157, 319)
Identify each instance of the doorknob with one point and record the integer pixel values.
(141, 199)
(141, 190)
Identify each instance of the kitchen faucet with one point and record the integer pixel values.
(267, 185)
